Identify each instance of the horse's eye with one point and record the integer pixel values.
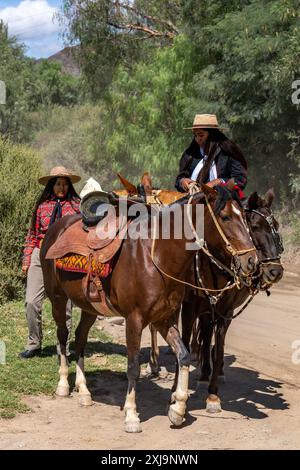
(225, 218)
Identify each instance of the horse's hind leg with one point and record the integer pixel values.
(179, 398)
(81, 335)
(59, 315)
(134, 329)
(154, 353)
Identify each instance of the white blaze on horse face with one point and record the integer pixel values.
(239, 213)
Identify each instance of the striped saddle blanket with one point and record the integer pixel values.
(81, 264)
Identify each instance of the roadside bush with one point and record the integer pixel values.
(19, 170)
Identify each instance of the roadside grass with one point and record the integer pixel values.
(39, 375)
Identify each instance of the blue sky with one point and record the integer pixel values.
(31, 21)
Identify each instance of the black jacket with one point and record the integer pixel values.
(227, 167)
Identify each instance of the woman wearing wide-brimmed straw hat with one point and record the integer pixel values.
(57, 200)
(211, 158)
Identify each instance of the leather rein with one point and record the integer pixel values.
(234, 253)
(213, 299)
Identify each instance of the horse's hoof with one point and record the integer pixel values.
(151, 372)
(133, 427)
(213, 405)
(85, 400)
(174, 417)
(62, 391)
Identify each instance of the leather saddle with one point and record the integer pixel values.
(98, 244)
(102, 241)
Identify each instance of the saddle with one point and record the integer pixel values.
(98, 244)
(102, 240)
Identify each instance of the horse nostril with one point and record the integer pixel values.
(274, 273)
(251, 263)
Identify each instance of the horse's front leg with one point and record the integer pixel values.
(179, 397)
(134, 328)
(204, 339)
(221, 371)
(213, 402)
(81, 335)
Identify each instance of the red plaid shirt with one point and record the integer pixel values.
(43, 216)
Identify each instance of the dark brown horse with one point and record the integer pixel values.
(215, 312)
(147, 285)
(264, 232)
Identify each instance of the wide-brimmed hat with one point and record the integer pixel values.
(205, 121)
(59, 171)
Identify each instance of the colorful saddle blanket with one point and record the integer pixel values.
(81, 264)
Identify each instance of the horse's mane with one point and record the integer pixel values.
(224, 194)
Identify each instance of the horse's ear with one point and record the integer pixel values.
(146, 181)
(253, 201)
(208, 191)
(130, 188)
(269, 197)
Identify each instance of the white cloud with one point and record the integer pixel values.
(44, 47)
(33, 22)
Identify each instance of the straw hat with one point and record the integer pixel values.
(205, 121)
(59, 171)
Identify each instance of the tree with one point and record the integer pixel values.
(14, 71)
(31, 85)
(248, 60)
(113, 32)
(50, 86)
(145, 112)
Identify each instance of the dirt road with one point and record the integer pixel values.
(260, 399)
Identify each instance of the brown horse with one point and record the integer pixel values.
(215, 312)
(147, 285)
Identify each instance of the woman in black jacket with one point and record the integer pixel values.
(211, 158)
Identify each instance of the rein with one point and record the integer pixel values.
(200, 243)
(229, 248)
(274, 261)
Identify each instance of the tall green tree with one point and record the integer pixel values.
(109, 33)
(30, 85)
(15, 72)
(145, 113)
(248, 59)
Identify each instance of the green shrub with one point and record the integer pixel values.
(19, 170)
